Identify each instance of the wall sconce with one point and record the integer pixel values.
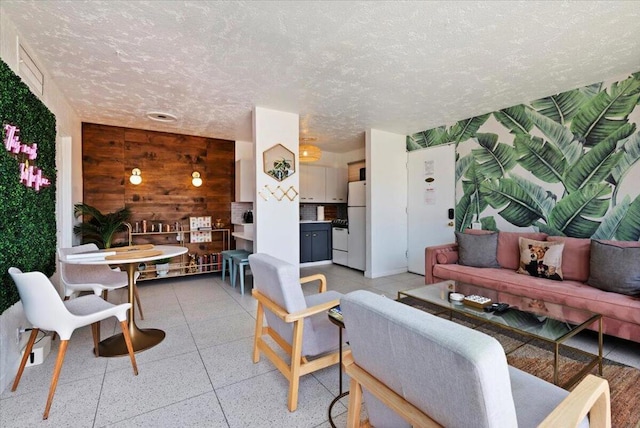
(196, 180)
(135, 177)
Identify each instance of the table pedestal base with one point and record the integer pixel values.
(141, 339)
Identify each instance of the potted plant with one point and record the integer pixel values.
(281, 169)
(97, 227)
(162, 267)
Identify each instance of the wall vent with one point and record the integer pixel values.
(29, 71)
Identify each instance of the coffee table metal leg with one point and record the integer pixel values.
(600, 346)
(340, 393)
(555, 363)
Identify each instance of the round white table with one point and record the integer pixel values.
(141, 339)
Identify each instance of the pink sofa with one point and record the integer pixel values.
(621, 313)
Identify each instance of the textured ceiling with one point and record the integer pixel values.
(342, 66)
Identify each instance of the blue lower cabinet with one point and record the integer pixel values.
(315, 242)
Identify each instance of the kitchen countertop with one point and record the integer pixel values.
(245, 236)
(315, 221)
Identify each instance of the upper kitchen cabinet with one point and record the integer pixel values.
(312, 184)
(320, 184)
(245, 180)
(336, 185)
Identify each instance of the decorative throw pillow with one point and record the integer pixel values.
(509, 246)
(615, 267)
(575, 260)
(477, 250)
(541, 258)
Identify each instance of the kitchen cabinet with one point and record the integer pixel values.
(336, 185)
(245, 180)
(312, 184)
(320, 184)
(315, 242)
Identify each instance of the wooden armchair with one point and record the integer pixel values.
(297, 323)
(420, 370)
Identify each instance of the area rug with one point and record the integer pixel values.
(536, 357)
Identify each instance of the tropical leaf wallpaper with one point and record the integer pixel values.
(567, 164)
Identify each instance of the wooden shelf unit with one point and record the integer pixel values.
(184, 267)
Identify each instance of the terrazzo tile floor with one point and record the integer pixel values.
(201, 375)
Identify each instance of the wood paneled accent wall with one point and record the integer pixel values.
(166, 194)
(354, 170)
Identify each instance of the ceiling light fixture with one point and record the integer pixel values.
(309, 152)
(136, 177)
(196, 180)
(161, 117)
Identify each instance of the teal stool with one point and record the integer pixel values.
(226, 257)
(239, 262)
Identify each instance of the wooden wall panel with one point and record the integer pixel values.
(354, 170)
(102, 166)
(166, 160)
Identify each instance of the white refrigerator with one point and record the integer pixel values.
(356, 211)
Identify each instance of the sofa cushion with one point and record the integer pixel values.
(615, 268)
(447, 258)
(477, 250)
(622, 244)
(575, 257)
(541, 259)
(571, 293)
(509, 247)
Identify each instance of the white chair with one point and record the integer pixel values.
(97, 278)
(44, 310)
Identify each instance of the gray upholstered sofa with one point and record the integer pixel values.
(445, 372)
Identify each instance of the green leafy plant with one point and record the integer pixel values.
(99, 228)
(281, 169)
(581, 142)
(28, 225)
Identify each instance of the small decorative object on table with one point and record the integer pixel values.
(498, 308)
(193, 264)
(336, 313)
(476, 301)
(456, 297)
(162, 267)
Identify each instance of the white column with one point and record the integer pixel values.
(386, 203)
(276, 222)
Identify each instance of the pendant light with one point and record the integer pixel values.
(309, 152)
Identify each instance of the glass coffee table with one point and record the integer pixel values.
(532, 318)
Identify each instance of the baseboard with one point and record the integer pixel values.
(320, 263)
(368, 274)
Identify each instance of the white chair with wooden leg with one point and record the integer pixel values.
(45, 310)
(297, 323)
(97, 278)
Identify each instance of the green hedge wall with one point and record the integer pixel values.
(27, 217)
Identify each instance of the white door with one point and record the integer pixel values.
(431, 194)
